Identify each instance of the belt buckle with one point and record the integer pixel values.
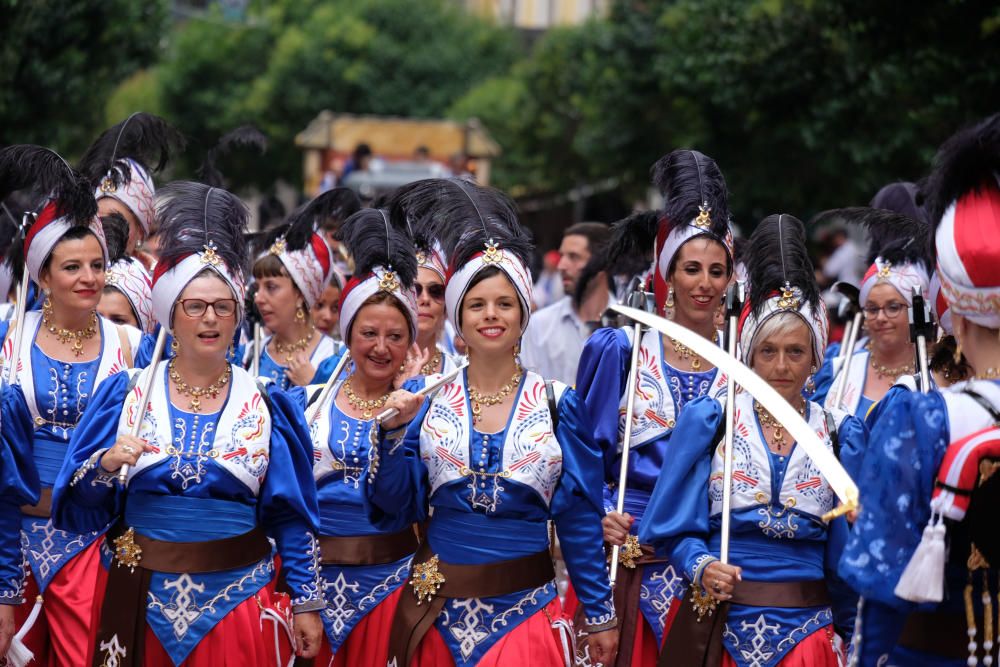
(426, 580)
(127, 552)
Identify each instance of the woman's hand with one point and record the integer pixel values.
(616, 527)
(720, 580)
(308, 630)
(127, 449)
(413, 366)
(7, 628)
(300, 370)
(603, 646)
(406, 403)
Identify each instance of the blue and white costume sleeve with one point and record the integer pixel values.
(18, 486)
(777, 534)
(208, 477)
(492, 494)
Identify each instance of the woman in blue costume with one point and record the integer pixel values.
(896, 266)
(694, 264)
(782, 607)
(364, 565)
(66, 352)
(495, 454)
(290, 278)
(926, 573)
(219, 465)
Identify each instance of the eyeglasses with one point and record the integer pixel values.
(198, 307)
(434, 291)
(891, 309)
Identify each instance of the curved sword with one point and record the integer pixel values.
(797, 427)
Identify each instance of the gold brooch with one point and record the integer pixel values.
(630, 552)
(278, 247)
(703, 603)
(704, 219)
(210, 256)
(426, 580)
(127, 552)
(492, 254)
(110, 277)
(421, 257)
(108, 184)
(788, 298)
(389, 282)
(884, 271)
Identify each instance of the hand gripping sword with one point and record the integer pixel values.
(147, 386)
(734, 306)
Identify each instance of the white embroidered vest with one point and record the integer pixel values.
(854, 375)
(242, 435)
(803, 488)
(655, 412)
(113, 358)
(531, 454)
(325, 462)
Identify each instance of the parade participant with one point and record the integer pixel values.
(120, 164)
(291, 276)
(488, 462)
(219, 465)
(694, 259)
(364, 566)
(127, 297)
(66, 351)
(326, 310)
(778, 607)
(897, 265)
(931, 455)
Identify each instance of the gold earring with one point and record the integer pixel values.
(811, 382)
(517, 351)
(670, 298)
(174, 346)
(957, 355)
(232, 351)
(300, 315)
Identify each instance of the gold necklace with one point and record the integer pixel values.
(365, 406)
(66, 335)
(777, 430)
(989, 374)
(431, 367)
(196, 393)
(891, 373)
(288, 351)
(687, 353)
(480, 399)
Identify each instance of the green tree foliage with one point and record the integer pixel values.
(805, 104)
(61, 59)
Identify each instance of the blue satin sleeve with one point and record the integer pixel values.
(844, 600)
(88, 501)
(397, 492)
(287, 507)
(877, 410)
(326, 367)
(677, 517)
(600, 383)
(896, 480)
(577, 508)
(853, 437)
(19, 485)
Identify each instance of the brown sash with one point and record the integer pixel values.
(698, 643)
(414, 616)
(41, 510)
(941, 634)
(368, 549)
(121, 638)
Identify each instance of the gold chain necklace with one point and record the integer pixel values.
(687, 353)
(892, 373)
(196, 393)
(66, 335)
(989, 374)
(431, 367)
(777, 430)
(288, 351)
(365, 406)
(480, 399)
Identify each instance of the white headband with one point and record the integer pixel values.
(359, 291)
(309, 271)
(130, 278)
(504, 260)
(136, 193)
(904, 277)
(788, 301)
(42, 240)
(168, 286)
(680, 235)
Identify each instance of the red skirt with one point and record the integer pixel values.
(367, 645)
(63, 634)
(534, 642)
(816, 650)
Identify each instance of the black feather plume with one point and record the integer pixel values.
(47, 173)
(115, 236)
(193, 215)
(633, 242)
(965, 163)
(373, 242)
(689, 180)
(892, 236)
(337, 204)
(776, 254)
(243, 137)
(11, 243)
(143, 137)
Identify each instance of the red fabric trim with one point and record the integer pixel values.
(969, 474)
(872, 270)
(322, 252)
(163, 267)
(659, 282)
(452, 268)
(977, 227)
(48, 214)
(351, 284)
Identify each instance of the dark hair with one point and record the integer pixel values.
(709, 237)
(597, 234)
(75, 233)
(362, 150)
(943, 360)
(486, 274)
(377, 299)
